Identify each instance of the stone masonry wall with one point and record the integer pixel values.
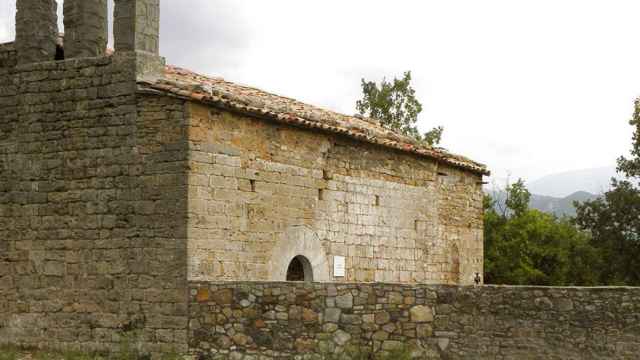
(261, 194)
(92, 203)
(316, 321)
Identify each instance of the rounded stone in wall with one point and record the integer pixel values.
(299, 241)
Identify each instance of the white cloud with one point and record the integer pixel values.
(7, 14)
(529, 87)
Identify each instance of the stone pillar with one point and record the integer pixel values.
(36, 30)
(136, 30)
(136, 25)
(85, 28)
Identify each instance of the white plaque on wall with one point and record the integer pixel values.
(338, 266)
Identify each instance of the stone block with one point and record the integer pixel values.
(421, 313)
(332, 315)
(137, 25)
(344, 301)
(341, 337)
(85, 24)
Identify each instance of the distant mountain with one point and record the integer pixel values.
(561, 185)
(560, 206)
(552, 205)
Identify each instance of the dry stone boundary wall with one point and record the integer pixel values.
(305, 321)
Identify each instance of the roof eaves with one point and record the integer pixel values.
(197, 94)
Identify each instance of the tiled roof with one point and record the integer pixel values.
(247, 100)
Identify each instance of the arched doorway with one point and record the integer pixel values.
(299, 241)
(300, 269)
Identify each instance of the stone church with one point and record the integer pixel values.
(122, 178)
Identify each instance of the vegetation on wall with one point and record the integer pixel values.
(395, 105)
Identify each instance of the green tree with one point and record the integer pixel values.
(395, 105)
(527, 247)
(518, 197)
(614, 220)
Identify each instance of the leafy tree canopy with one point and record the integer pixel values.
(396, 106)
(527, 247)
(614, 220)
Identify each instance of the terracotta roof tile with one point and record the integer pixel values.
(234, 97)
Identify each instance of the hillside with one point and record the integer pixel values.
(549, 204)
(566, 184)
(560, 206)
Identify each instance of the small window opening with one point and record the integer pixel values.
(300, 269)
(326, 175)
(377, 200)
(59, 52)
(253, 185)
(320, 194)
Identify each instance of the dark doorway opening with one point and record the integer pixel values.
(299, 269)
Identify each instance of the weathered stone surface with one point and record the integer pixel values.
(380, 335)
(136, 25)
(90, 189)
(85, 28)
(421, 313)
(309, 316)
(344, 301)
(36, 30)
(202, 295)
(382, 317)
(341, 337)
(332, 315)
(424, 331)
(261, 195)
(223, 297)
(476, 322)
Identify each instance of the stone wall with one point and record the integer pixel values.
(280, 320)
(8, 59)
(92, 206)
(262, 193)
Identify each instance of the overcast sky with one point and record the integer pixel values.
(527, 87)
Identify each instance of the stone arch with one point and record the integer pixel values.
(300, 269)
(299, 241)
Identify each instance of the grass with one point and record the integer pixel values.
(76, 355)
(8, 352)
(398, 354)
(127, 351)
(402, 353)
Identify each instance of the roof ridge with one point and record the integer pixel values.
(217, 91)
